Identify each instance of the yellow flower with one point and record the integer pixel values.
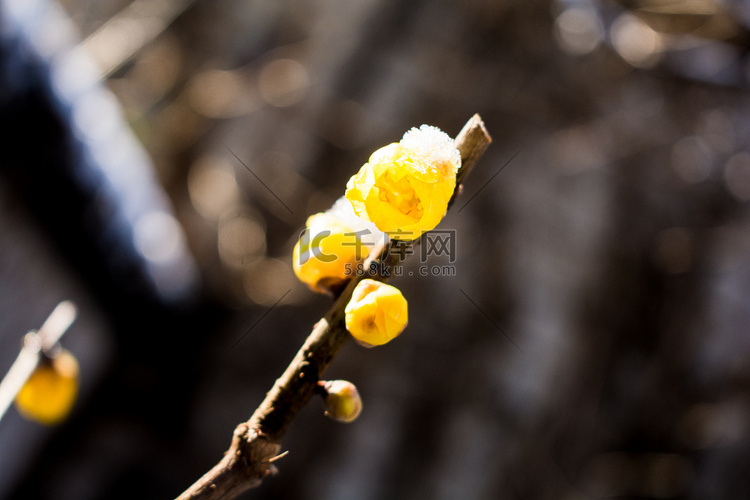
(48, 395)
(376, 314)
(342, 400)
(405, 187)
(327, 253)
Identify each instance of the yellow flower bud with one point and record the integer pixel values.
(48, 395)
(404, 189)
(376, 314)
(342, 400)
(327, 253)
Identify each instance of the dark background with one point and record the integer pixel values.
(593, 342)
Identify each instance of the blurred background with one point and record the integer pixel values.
(160, 158)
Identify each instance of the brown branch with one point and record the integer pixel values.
(257, 442)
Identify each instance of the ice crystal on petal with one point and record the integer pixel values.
(431, 146)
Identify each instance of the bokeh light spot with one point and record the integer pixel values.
(242, 240)
(212, 186)
(692, 159)
(737, 176)
(635, 41)
(268, 280)
(578, 30)
(219, 94)
(283, 82)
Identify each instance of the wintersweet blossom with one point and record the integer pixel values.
(376, 314)
(48, 395)
(405, 187)
(326, 253)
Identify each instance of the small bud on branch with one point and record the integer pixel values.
(342, 400)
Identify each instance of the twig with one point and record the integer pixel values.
(256, 443)
(35, 343)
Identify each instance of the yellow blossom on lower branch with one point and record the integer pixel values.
(48, 395)
(327, 252)
(376, 314)
(405, 187)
